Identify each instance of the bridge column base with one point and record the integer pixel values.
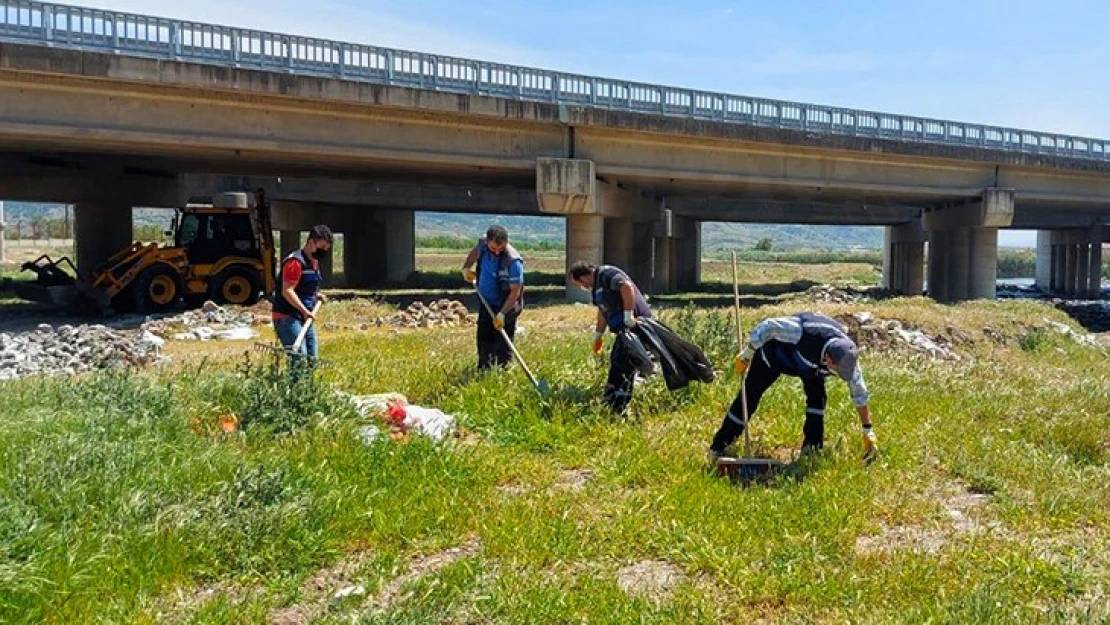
(904, 258)
(379, 245)
(100, 230)
(1069, 262)
(585, 242)
(963, 246)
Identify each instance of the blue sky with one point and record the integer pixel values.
(1038, 65)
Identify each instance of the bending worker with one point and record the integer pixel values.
(500, 281)
(619, 304)
(810, 346)
(298, 290)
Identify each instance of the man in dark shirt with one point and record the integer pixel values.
(619, 303)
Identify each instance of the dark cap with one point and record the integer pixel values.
(844, 355)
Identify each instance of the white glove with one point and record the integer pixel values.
(629, 319)
(870, 444)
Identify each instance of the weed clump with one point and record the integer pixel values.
(284, 399)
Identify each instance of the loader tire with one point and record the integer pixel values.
(239, 286)
(156, 290)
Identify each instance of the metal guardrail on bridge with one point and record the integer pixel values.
(86, 28)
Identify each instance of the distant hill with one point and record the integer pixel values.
(714, 235)
(535, 229)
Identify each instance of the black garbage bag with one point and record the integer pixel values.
(680, 360)
(630, 354)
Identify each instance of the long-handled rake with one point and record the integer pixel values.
(542, 387)
(295, 348)
(746, 469)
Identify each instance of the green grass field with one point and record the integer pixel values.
(122, 501)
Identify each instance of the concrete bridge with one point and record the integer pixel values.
(109, 111)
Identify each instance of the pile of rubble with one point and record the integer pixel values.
(69, 350)
(444, 312)
(211, 322)
(890, 334)
(829, 293)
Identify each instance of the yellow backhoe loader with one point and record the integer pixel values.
(223, 250)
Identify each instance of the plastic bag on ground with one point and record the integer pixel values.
(381, 405)
(431, 422)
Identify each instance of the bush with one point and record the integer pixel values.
(284, 399)
(713, 331)
(1017, 263)
(764, 245)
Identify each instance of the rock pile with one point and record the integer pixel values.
(68, 350)
(444, 312)
(829, 293)
(891, 334)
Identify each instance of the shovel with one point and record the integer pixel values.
(542, 387)
(295, 349)
(746, 469)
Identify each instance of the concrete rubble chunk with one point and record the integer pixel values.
(75, 350)
(440, 313)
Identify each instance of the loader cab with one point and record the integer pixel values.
(211, 234)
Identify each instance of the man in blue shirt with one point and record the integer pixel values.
(500, 280)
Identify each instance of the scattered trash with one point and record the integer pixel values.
(350, 591)
(393, 409)
(431, 422)
(210, 323)
(368, 434)
(870, 332)
(229, 423)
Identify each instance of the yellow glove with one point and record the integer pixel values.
(744, 360)
(597, 343)
(870, 444)
(499, 321)
(741, 365)
(469, 275)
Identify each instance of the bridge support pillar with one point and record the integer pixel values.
(585, 242)
(619, 243)
(378, 246)
(100, 230)
(605, 222)
(677, 263)
(963, 246)
(687, 253)
(1069, 262)
(904, 258)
